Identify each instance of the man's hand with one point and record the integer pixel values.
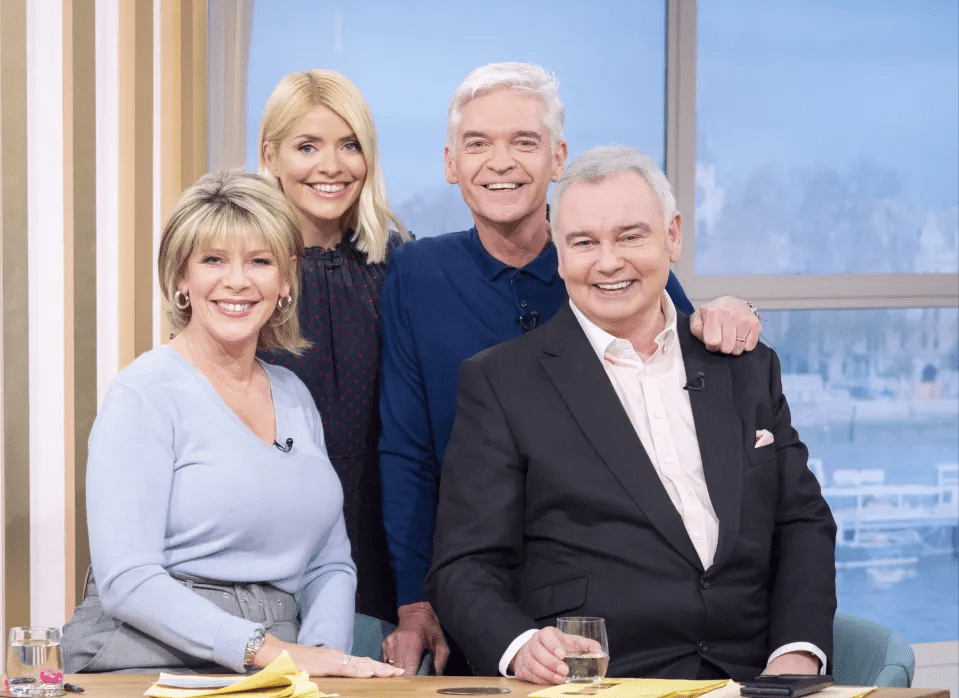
(419, 629)
(727, 325)
(540, 660)
(794, 663)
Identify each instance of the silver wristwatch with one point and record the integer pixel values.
(252, 646)
(753, 308)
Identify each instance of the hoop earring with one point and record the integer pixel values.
(181, 300)
(284, 303)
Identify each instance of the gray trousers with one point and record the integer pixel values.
(94, 641)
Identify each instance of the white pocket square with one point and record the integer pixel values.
(763, 438)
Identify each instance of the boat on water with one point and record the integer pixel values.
(886, 529)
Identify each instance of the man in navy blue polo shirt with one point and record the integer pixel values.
(449, 297)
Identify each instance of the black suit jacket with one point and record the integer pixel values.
(549, 506)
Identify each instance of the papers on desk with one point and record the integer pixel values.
(195, 681)
(278, 680)
(731, 690)
(668, 688)
(633, 688)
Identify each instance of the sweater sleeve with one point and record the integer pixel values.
(129, 483)
(408, 466)
(326, 596)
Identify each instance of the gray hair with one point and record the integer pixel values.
(605, 161)
(522, 77)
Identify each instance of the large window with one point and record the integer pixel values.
(874, 395)
(827, 137)
(409, 57)
(813, 147)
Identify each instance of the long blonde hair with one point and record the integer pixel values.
(298, 93)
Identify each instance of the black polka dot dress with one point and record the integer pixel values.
(340, 314)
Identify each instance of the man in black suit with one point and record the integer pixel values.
(608, 465)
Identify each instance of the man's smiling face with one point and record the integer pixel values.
(503, 159)
(615, 251)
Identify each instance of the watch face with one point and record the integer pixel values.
(257, 640)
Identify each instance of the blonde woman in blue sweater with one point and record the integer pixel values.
(207, 466)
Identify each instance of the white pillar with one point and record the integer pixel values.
(157, 161)
(45, 264)
(108, 187)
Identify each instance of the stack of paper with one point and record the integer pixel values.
(278, 680)
(668, 688)
(731, 690)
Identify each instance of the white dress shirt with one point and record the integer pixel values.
(652, 394)
(659, 409)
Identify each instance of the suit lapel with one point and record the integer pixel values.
(719, 432)
(580, 378)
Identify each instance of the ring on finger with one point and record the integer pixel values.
(741, 339)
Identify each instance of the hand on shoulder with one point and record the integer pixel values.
(727, 324)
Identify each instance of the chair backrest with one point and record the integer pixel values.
(867, 654)
(368, 636)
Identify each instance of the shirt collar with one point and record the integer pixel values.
(601, 340)
(543, 267)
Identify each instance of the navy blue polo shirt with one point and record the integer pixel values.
(444, 300)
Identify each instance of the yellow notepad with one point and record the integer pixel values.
(280, 679)
(632, 688)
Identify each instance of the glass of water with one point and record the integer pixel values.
(34, 662)
(586, 667)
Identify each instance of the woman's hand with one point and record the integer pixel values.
(323, 661)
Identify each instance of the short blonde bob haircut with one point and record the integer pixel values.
(297, 94)
(222, 207)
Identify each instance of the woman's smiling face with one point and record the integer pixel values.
(234, 288)
(321, 168)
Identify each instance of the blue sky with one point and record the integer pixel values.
(825, 82)
(409, 57)
(793, 83)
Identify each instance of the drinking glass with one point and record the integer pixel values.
(34, 662)
(586, 667)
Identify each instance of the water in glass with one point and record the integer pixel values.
(586, 667)
(34, 662)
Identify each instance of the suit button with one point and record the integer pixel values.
(703, 647)
(704, 583)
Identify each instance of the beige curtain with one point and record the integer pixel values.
(230, 23)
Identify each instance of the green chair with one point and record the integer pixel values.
(867, 654)
(368, 636)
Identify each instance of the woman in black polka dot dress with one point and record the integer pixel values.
(318, 143)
